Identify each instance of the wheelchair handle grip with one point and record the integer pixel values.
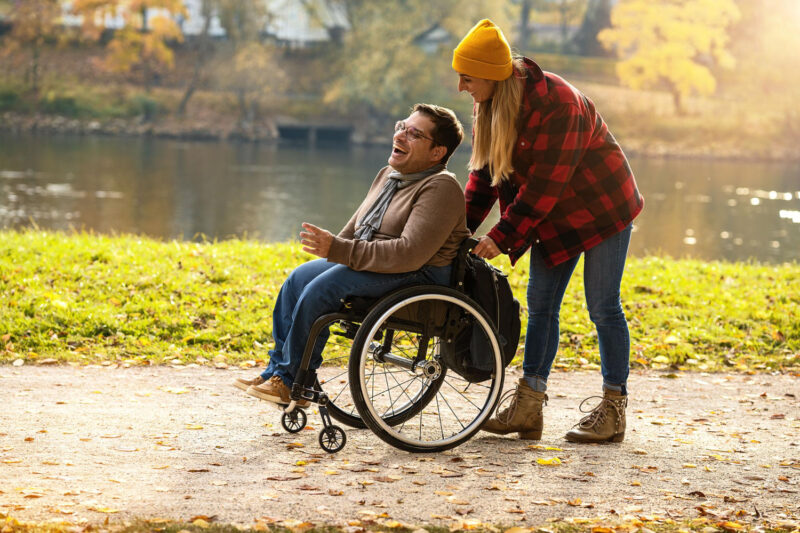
(459, 265)
(467, 245)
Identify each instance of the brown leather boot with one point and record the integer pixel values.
(524, 415)
(604, 423)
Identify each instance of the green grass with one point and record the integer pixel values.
(133, 300)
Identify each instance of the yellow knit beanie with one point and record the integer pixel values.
(483, 53)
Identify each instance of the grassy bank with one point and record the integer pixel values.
(132, 300)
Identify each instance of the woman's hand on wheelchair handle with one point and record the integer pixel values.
(316, 240)
(486, 248)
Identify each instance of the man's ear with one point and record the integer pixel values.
(438, 153)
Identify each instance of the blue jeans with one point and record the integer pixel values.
(602, 274)
(317, 288)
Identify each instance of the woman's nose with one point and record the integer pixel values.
(461, 85)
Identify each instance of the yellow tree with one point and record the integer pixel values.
(143, 41)
(672, 43)
(33, 23)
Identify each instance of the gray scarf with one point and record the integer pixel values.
(373, 218)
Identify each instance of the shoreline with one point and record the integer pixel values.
(12, 123)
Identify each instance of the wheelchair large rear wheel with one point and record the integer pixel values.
(398, 353)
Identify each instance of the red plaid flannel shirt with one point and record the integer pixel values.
(571, 187)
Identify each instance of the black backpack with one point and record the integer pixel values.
(488, 287)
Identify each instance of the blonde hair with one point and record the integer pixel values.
(495, 126)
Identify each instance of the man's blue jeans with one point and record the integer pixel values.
(602, 274)
(318, 287)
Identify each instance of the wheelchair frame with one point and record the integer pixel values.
(444, 311)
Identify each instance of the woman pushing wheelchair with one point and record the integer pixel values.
(565, 190)
(407, 231)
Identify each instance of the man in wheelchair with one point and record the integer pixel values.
(407, 231)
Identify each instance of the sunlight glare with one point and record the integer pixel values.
(794, 216)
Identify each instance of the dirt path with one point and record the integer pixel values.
(81, 444)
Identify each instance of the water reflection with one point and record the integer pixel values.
(171, 189)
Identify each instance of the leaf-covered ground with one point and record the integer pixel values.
(132, 300)
(82, 445)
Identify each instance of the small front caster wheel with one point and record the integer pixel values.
(332, 439)
(294, 421)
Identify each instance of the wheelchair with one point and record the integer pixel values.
(397, 382)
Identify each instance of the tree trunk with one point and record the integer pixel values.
(200, 60)
(677, 100)
(563, 9)
(241, 97)
(525, 32)
(598, 17)
(35, 71)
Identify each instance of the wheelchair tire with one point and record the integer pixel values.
(446, 409)
(332, 439)
(295, 421)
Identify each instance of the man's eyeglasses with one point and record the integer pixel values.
(411, 132)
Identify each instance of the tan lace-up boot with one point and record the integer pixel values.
(604, 423)
(523, 416)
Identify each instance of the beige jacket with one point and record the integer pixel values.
(423, 225)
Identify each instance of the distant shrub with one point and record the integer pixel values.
(144, 106)
(57, 104)
(9, 99)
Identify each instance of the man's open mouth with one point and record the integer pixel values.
(397, 150)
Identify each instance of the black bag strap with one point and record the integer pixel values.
(460, 263)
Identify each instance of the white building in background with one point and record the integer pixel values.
(290, 22)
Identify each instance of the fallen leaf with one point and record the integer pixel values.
(106, 510)
(731, 526)
(203, 517)
(552, 461)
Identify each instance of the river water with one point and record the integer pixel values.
(175, 189)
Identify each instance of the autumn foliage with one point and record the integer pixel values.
(671, 42)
